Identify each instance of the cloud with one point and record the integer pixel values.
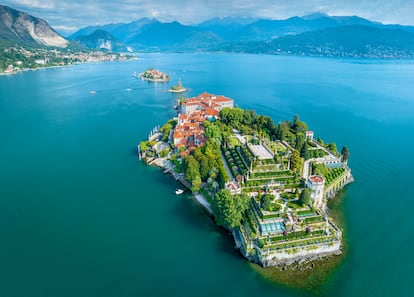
(81, 13)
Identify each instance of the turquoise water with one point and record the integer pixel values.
(80, 216)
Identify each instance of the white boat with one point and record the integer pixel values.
(179, 191)
(93, 92)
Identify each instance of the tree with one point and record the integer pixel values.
(300, 141)
(298, 125)
(332, 147)
(204, 168)
(345, 154)
(295, 161)
(191, 168)
(305, 197)
(213, 132)
(196, 184)
(266, 202)
(228, 209)
(304, 153)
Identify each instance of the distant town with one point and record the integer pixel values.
(18, 58)
(268, 184)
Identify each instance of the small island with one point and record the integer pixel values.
(267, 183)
(178, 88)
(154, 75)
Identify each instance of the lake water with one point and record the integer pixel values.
(81, 216)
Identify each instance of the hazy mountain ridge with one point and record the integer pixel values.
(316, 34)
(18, 27)
(101, 40)
(347, 41)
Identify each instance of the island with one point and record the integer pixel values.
(267, 183)
(154, 75)
(178, 88)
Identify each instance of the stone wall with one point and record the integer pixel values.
(277, 258)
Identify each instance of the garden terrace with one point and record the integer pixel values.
(266, 167)
(296, 205)
(260, 151)
(305, 213)
(288, 195)
(235, 162)
(333, 174)
(297, 235)
(276, 146)
(264, 174)
(316, 153)
(273, 216)
(301, 243)
(258, 162)
(246, 154)
(271, 180)
(254, 206)
(314, 219)
(252, 220)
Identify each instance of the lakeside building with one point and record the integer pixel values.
(189, 131)
(316, 184)
(209, 102)
(154, 75)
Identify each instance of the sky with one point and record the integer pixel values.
(67, 16)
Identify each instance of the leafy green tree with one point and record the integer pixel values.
(266, 202)
(196, 184)
(191, 168)
(144, 146)
(300, 141)
(298, 125)
(295, 161)
(332, 147)
(228, 209)
(345, 153)
(204, 168)
(232, 116)
(319, 169)
(305, 197)
(214, 132)
(304, 153)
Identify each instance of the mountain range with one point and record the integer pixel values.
(316, 34)
(17, 27)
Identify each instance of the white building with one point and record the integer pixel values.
(309, 135)
(316, 184)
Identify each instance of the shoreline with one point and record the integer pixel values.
(177, 91)
(165, 165)
(59, 66)
(40, 68)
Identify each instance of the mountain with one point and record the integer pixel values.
(348, 41)
(268, 29)
(121, 31)
(172, 37)
(17, 27)
(101, 40)
(227, 28)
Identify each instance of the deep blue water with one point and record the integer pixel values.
(80, 216)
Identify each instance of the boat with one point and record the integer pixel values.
(93, 92)
(179, 191)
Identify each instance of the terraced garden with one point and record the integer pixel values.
(333, 174)
(235, 162)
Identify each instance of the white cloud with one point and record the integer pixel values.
(80, 13)
(44, 4)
